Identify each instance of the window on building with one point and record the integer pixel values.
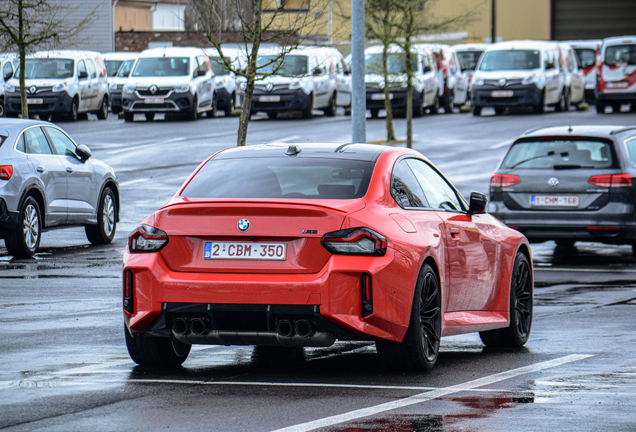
(293, 4)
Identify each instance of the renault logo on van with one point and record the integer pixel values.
(269, 86)
(32, 90)
(553, 182)
(153, 89)
(502, 82)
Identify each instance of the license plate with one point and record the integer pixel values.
(617, 84)
(269, 99)
(35, 101)
(554, 201)
(238, 250)
(502, 93)
(380, 96)
(153, 100)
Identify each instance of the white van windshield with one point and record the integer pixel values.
(47, 68)
(587, 56)
(510, 60)
(162, 66)
(396, 63)
(293, 65)
(112, 66)
(620, 54)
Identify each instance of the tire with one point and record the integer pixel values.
(149, 116)
(448, 102)
(23, 241)
(308, 112)
(420, 348)
(2, 112)
(73, 114)
(567, 103)
(521, 294)
(115, 110)
(476, 110)
(213, 108)
(418, 111)
(616, 107)
(272, 115)
(500, 111)
(330, 111)
(539, 109)
(102, 113)
(104, 231)
(560, 106)
(129, 117)
(230, 109)
(154, 351)
(374, 113)
(600, 107)
(434, 109)
(632, 107)
(194, 113)
(565, 243)
(46, 117)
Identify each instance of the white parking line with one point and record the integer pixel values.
(582, 270)
(434, 394)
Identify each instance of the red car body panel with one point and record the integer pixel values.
(472, 254)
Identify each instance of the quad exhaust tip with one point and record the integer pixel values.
(198, 326)
(284, 328)
(179, 326)
(303, 328)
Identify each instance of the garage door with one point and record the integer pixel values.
(592, 19)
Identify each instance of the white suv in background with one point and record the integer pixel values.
(616, 83)
(587, 52)
(170, 80)
(519, 74)
(69, 83)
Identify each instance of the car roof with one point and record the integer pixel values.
(597, 131)
(120, 55)
(71, 54)
(584, 43)
(521, 44)
(360, 151)
(15, 125)
(471, 47)
(171, 52)
(619, 40)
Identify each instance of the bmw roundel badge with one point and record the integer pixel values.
(243, 225)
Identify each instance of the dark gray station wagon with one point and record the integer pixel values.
(568, 184)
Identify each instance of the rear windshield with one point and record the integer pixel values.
(620, 54)
(276, 177)
(560, 154)
(510, 60)
(162, 66)
(587, 56)
(469, 59)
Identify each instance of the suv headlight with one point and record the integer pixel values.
(9, 88)
(129, 89)
(478, 82)
(300, 83)
(182, 89)
(60, 87)
(530, 79)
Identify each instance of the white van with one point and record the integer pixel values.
(469, 55)
(453, 83)
(225, 81)
(426, 85)
(587, 51)
(574, 78)
(616, 82)
(69, 83)
(117, 82)
(519, 74)
(8, 63)
(309, 78)
(170, 80)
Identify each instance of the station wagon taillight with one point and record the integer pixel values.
(504, 180)
(611, 181)
(6, 171)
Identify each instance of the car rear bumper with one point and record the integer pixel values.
(528, 95)
(251, 304)
(8, 219)
(615, 96)
(52, 103)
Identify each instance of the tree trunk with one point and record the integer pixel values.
(22, 52)
(390, 131)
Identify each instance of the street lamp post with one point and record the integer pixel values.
(359, 94)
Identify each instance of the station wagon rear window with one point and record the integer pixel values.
(276, 177)
(560, 153)
(162, 66)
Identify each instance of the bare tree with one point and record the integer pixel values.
(260, 22)
(29, 25)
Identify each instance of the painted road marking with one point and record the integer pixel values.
(582, 270)
(434, 394)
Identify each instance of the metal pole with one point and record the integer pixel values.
(493, 21)
(359, 93)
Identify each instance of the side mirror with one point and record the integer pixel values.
(201, 72)
(427, 69)
(83, 152)
(549, 66)
(82, 75)
(478, 203)
(317, 71)
(8, 76)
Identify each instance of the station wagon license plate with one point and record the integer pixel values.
(35, 101)
(381, 96)
(239, 250)
(269, 99)
(502, 93)
(554, 201)
(153, 100)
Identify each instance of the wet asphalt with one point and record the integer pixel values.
(65, 365)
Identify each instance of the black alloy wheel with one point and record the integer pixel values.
(420, 347)
(23, 241)
(156, 351)
(104, 231)
(521, 298)
(102, 113)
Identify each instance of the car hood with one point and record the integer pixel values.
(496, 75)
(48, 82)
(158, 81)
(277, 79)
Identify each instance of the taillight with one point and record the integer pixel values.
(355, 241)
(504, 180)
(129, 289)
(6, 171)
(611, 181)
(147, 239)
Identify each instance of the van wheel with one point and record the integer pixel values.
(213, 107)
(128, 117)
(194, 113)
(418, 111)
(600, 107)
(102, 114)
(230, 109)
(308, 112)
(73, 114)
(616, 107)
(330, 111)
(448, 103)
(541, 107)
(476, 110)
(434, 109)
(374, 112)
(23, 241)
(2, 113)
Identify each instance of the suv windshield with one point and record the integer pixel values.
(469, 59)
(47, 68)
(112, 66)
(162, 66)
(293, 65)
(620, 54)
(276, 177)
(559, 153)
(510, 60)
(396, 63)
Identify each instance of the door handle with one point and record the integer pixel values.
(69, 170)
(40, 169)
(454, 232)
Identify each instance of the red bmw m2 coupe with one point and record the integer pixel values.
(306, 244)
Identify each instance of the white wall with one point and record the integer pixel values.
(168, 17)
